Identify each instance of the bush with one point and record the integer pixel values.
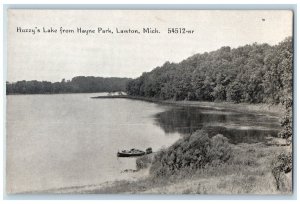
(287, 126)
(191, 152)
(220, 150)
(281, 165)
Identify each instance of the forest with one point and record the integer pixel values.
(256, 73)
(79, 84)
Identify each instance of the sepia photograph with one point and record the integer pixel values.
(173, 102)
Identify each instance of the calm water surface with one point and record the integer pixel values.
(56, 141)
(238, 127)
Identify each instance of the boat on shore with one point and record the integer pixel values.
(134, 152)
(149, 150)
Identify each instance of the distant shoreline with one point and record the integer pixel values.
(261, 108)
(33, 94)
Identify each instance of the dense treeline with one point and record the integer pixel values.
(257, 73)
(79, 84)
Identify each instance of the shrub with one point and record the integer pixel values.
(220, 150)
(191, 152)
(281, 165)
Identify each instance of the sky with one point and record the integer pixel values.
(54, 56)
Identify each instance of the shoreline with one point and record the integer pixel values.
(249, 171)
(261, 108)
(248, 159)
(256, 165)
(169, 185)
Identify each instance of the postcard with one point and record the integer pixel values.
(149, 102)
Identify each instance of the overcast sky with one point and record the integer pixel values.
(51, 57)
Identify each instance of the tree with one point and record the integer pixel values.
(80, 84)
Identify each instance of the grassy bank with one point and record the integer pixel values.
(247, 172)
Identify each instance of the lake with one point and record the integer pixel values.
(64, 140)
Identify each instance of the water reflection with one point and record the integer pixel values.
(238, 127)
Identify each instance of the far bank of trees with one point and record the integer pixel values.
(257, 73)
(79, 84)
